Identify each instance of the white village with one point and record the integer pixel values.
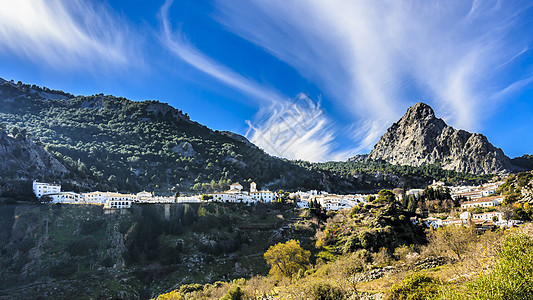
(483, 196)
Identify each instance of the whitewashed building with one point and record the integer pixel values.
(66, 197)
(262, 196)
(41, 188)
(117, 204)
(483, 202)
(236, 194)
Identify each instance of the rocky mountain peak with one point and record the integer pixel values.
(420, 138)
(420, 111)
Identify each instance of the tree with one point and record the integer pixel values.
(456, 239)
(206, 197)
(234, 293)
(411, 207)
(415, 286)
(386, 196)
(286, 259)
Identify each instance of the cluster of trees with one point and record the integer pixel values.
(525, 161)
(413, 176)
(512, 187)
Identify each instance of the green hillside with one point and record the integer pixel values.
(111, 143)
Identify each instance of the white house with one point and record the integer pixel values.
(487, 216)
(188, 199)
(303, 203)
(433, 222)
(95, 197)
(236, 186)
(117, 204)
(144, 196)
(41, 188)
(414, 192)
(483, 202)
(66, 197)
(264, 196)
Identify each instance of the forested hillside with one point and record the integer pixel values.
(111, 143)
(126, 145)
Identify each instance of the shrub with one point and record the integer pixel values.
(173, 295)
(234, 293)
(415, 287)
(189, 288)
(512, 276)
(326, 291)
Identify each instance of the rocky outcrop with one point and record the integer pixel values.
(22, 160)
(238, 138)
(419, 138)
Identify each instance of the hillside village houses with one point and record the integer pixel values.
(113, 200)
(475, 192)
(41, 188)
(328, 201)
(236, 194)
(483, 202)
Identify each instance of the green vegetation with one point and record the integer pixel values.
(287, 259)
(116, 144)
(412, 175)
(415, 287)
(111, 143)
(510, 277)
(501, 270)
(525, 161)
(514, 184)
(143, 250)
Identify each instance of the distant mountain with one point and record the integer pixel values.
(419, 138)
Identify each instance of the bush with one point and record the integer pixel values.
(63, 269)
(415, 287)
(512, 276)
(234, 293)
(326, 291)
(189, 288)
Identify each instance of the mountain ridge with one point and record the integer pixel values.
(420, 138)
(115, 144)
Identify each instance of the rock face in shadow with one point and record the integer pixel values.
(419, 138)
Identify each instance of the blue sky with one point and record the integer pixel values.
(314, 80)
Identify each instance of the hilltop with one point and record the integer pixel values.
(420, 138)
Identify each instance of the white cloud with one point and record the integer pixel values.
(295, 129)
(375, 58)
(66, 34)
(176, 43)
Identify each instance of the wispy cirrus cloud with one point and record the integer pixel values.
(177, 44)
(67, 35)
(296, 129)
(292, 128)
(375, 58)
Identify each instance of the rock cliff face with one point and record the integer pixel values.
(420, 138)
(21, 160)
